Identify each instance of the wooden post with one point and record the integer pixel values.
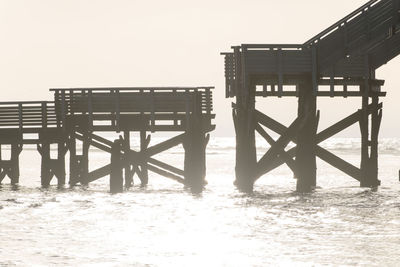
(44, 150)
(84, 160)
(60, 163)
(144, 142)
(369, 147)
(73, 161)
(127, 169)
(306, 139)
(14, 172)
(244, 122)
(116, 178)
(194, 145)
(364, 127)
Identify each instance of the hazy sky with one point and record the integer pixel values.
(78, 43)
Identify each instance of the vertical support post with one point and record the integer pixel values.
(144, 142)
(306, 138)
(44, 150)
(84, 160)
(194, 145)
(73, 161)
(375, 125)
(60, 163)
(14, 172)
(127, 166)
(364, 127)
(369, 147)
(116, 179)
(244, 122)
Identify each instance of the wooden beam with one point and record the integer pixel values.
(156, 149)
(281, 153)
(269, 122)
(165, 166)
(165, 173)
(280, 144)
(338, 163)
(341, 125)
(99, 173)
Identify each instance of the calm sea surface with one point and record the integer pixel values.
(164, 225)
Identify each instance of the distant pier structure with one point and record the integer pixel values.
(79, 114)
(342, 58)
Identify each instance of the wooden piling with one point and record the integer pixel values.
(369, 141)
(16, 149)
(73, 161)
(128, 173)
(194, 145)
(116, 178)
(84, 160)
(144, 173)
(246, 155)
(60, 163)
(45, 176)
(306, 139)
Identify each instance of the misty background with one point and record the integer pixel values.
(99, 43)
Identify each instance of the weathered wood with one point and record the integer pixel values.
(156, 149)
(128, 172)
(166, 174)
(244, 122)
(166, 166)
(116, 178)
(281, 153)
(306, 140)
(46, 171)
(338, 163)
(343, 124)
(73, 160)
(144, 142)
(279, 146)
(195, 145)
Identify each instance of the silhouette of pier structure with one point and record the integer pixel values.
(344, 56)
(77, 115)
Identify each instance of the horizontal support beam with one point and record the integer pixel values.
(319, 94)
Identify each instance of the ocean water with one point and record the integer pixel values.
(339, 224)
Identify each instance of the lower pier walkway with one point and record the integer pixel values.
(79, 114)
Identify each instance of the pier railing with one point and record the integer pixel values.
(120, 104)
(27, 115)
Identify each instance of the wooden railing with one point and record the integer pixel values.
(113, 104)
(28, 114)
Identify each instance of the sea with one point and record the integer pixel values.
(164, 224)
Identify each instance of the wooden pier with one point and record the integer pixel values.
(344, 56)
(79, 114)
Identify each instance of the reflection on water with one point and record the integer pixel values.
(165, 225)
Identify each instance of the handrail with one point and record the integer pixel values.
(273, 46)
(24, 102)
(340, 22)
(134, 88)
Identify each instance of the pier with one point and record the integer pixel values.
(79, 114)
(342, 58)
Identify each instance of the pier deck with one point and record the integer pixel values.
(77, 114)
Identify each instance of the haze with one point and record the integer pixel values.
(89, 43)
